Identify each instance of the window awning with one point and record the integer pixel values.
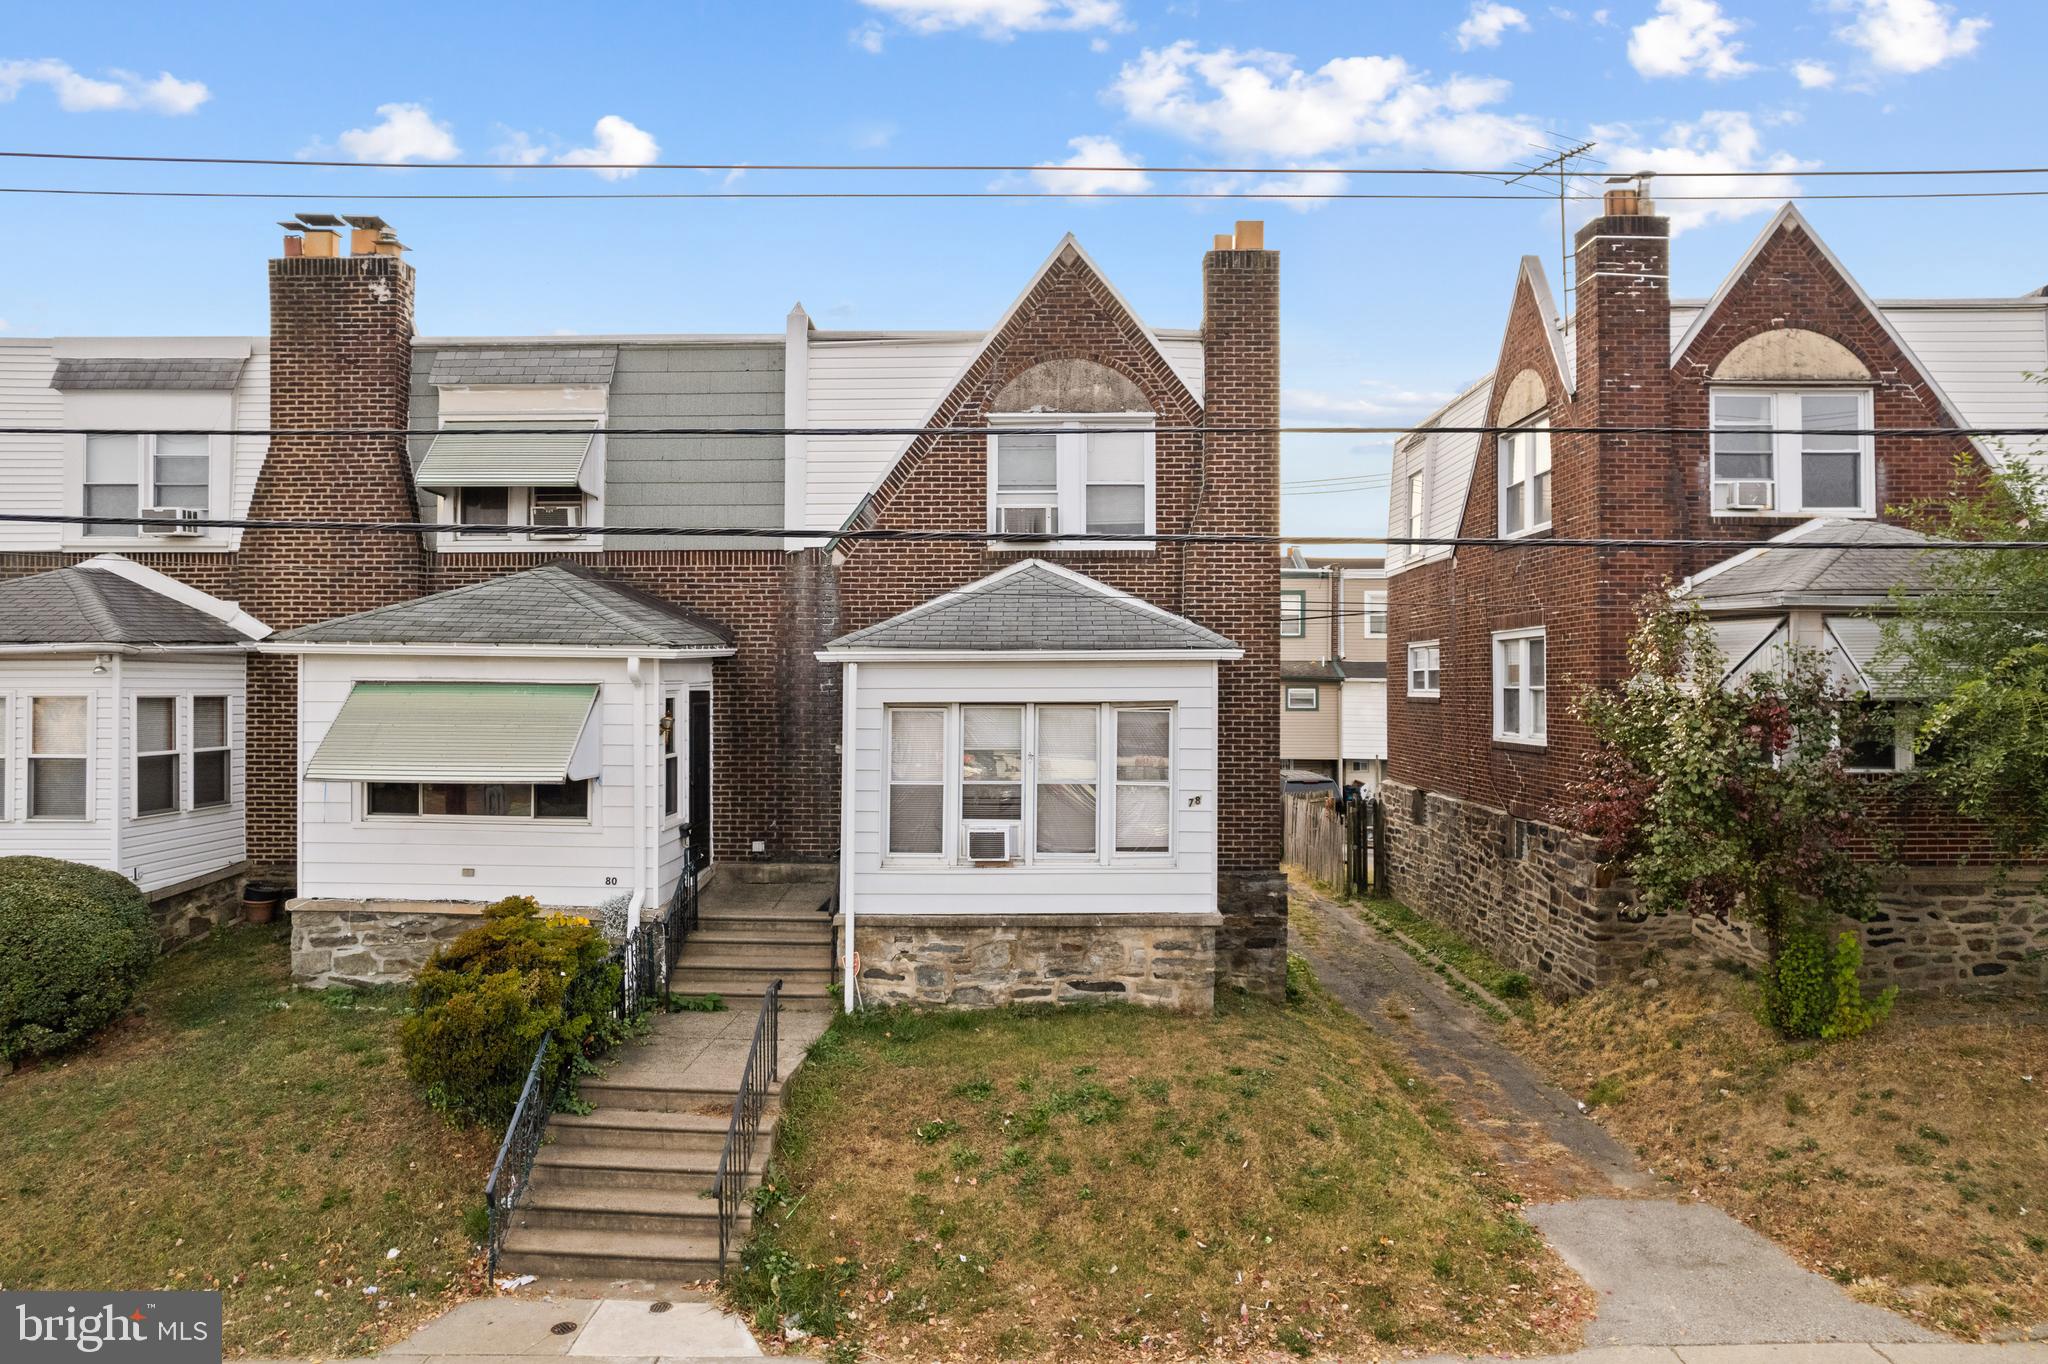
(462, 732)
(521, 459)
(1856, 642)
(1750, 645)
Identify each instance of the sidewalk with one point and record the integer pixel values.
(1834, 1352)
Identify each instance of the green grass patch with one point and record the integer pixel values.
(1113, 1182)
(241, 1135)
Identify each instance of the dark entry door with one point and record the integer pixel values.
(700, 776)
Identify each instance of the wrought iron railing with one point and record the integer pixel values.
(514, 1168)
(681, 920)
(737, 1160)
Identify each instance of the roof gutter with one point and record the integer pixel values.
(1027, 655)
(8, 650)
(304, 647)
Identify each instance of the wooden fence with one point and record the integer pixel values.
(1343, 848)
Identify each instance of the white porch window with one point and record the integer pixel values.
(1519, 686)
(671, 758)
(1144, 770)
(1425, 668)
(1525, 480)
(58, 756)
(991, 762)
(6, 733)
(1067, 772)
(1808, 470)
(917, 782)
(477, 800)
(1072, 481)
(211, 747)
(157, 779)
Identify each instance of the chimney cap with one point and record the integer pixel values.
(319, 220)
(365, 221)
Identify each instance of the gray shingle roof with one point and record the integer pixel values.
(1331, 670)
(457, 366)
(1034, 607)
(555, 604)
(1883, 556)
(79, 605)
(148, 373)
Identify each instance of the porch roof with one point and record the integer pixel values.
(87, 604)
(462, 732)
(1780, 572)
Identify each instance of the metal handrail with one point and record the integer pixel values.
(737, 1159)
(514, 1167)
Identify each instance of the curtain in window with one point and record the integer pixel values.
(1067, 738)
(57, 757)
(1143, 766)
(184, 472)
(991, 762)
(916, 780)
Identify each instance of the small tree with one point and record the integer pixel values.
(1732, 801)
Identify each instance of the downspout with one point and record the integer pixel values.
(848, 693)
(120, 767)
(635, 673)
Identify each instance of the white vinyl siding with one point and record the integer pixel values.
(870, 382)
(197, 838)
(1520, 687)
(1445, 460)
(1087, 757)
(1365, 719)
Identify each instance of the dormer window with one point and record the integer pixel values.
(1808, 468)
(1050, 483)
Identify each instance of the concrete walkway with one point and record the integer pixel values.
(1676, 1281)
(708, 1051)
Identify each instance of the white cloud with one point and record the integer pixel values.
(408, 133)
(1687, 37)
(1003, 19)
(1813, 75)
(1909, 35)
(616, 141)
(616, 147)
(1260, 103)
(1718, 140)
(1382, 400)
(81, 94)
(868, 38)
(1055, 178)
(1486, 23)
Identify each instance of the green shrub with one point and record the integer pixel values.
(75, 941)
(483, 1002)
(1514, 985)
(1811, 990)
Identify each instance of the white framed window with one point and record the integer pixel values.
(59, 756)
(1520, 686)
(1525, 479)
(1293, 614)
(1806, 470)
(1884, 738)
(1054, 784)
(158, 780)
(1373, 615)
(212, 775)
(1413, 502)
(1303, 698)
(1425, 668)
(1072, 481)
(483, 511)
(671, 756)
(477, 800)
(124, 474)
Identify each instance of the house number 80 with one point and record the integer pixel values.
(611, 880)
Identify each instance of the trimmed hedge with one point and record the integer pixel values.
(75, 942)
(483, 1002)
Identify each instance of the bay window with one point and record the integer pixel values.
(1525, 480)
(1810, 467)
(1067, 783)
(1071, 481)
(1520, 686)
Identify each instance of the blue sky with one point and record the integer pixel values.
(1388, 306)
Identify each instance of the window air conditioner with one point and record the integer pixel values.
(557, 513)
(1747, 494)
(171, 521)
(1041, 521)
(990, 842)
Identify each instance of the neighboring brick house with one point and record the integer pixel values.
(1333, 672)
(1492, 643)
(728, 722)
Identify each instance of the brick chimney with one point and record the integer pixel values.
(341, 332)
(1235, 590)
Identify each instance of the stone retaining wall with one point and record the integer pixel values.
(1534, 896)
(349, 942)
(1167, 961)
(195, 911)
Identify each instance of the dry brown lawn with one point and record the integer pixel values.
(1911, 1164)
(1110, 1183)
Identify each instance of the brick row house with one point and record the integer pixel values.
(1491, 643)
(1027, 769)
(1333, 672)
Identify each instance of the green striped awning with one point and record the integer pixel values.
(522, 459)
(462, 732)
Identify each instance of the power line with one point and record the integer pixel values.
(962, 536)
(964, 167)
(1225, 429)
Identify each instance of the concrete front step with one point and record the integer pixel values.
(690, 1214)
(555, 1252)
(744, 935)
(758, 971)
(652, 1128)
(759, 951)
(641, 1169)
(750, 983)
(634, 1088)
(764, 920)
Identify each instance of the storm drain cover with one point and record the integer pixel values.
(660, 1305)
(563, 1328)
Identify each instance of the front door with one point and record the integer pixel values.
(700, 776)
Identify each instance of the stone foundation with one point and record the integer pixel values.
(1533, 895)
(357, 942)
(1251, 944)
(186, 912)
(1168, 961)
